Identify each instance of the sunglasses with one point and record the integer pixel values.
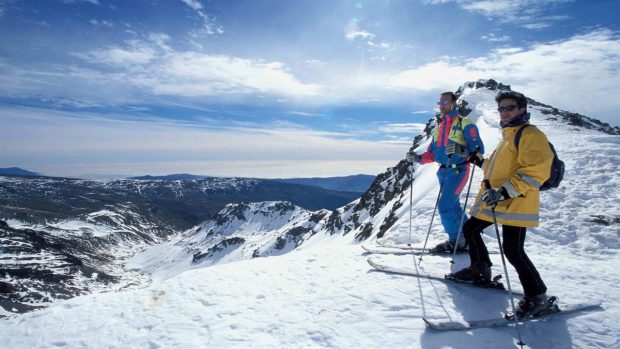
(507, 108)
(444, 102)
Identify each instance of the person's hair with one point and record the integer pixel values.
(518, 97)
(451, 94)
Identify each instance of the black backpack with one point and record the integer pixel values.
(557, 166)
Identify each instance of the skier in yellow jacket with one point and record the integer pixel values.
(515, 175)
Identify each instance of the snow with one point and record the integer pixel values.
(74, 227)
(325, 295)
(78, 226)
(312, 298)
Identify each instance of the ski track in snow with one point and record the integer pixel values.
(326, 295)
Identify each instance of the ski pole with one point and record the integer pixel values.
(458, 235)
(434, 210)
(410, 202)
(409, 244)
(487, 185)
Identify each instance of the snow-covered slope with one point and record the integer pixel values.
(41, 263)
(239, 231)
(243, 231)
(324, 294)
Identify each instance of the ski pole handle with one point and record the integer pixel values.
(487, 184)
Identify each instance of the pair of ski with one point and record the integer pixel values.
(403, 249)
(443, 325)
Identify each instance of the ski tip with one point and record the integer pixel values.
(593, 306)
(587, 306)
(372, 262)
(445, 325)
(431, 324)
(376, 265)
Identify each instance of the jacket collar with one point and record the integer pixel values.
(452, 115)
(516, 121)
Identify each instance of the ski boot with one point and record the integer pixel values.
(478, 274)
(533, 307)
(448, 247)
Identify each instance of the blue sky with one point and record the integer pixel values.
(276, 88)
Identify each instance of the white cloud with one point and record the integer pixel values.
(139, 72)
(197, 74)
(209, 25)
(536, 26)
(4, 6)
(300, 113)
(94, 2)
(194, 4)
(383, 45)
(353, 31)
(496, 8)
(153, 66)
(495, 38)
(584, 67)
(529, 14)
(568, 74)
(433, 76)
(136, 53)
(160, 40)
(352, 35)
(408, 128)
(101, 23)
(152, 45)
(314, 63)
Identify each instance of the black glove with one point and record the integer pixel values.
(412, 157)
(492, 196)
(476, 158)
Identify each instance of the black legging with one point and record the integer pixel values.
(513, 240)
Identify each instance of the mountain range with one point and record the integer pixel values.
(84, 229)
(353, 184)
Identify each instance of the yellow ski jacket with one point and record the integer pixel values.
(521, 172)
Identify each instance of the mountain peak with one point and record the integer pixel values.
(488, 84)
(549, 112)
(17, 171)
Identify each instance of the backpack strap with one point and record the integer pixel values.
(519, 133)
(460, 124)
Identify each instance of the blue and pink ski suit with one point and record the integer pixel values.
(454, 170)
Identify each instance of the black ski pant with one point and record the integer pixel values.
(512, 244)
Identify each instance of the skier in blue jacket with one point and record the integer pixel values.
(456, 142)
